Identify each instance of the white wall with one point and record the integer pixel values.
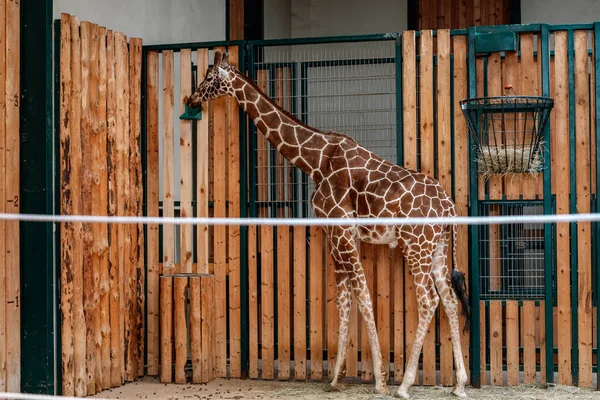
(306, 18)
(155, 21)
(559, 11)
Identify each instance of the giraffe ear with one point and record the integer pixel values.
(222, 72)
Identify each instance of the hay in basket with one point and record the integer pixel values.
(508, 159)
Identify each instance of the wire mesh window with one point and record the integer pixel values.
(344, 87)
(512, 256)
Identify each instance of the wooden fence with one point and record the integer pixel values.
(292, 315)
(292, 320)
(10, 294)
(209, 172)
(102, 267)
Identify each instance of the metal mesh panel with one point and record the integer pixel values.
(512, 260)
(344, 87)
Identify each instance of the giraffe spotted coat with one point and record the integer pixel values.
(353, 182)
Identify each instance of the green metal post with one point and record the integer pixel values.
(244, 284)
(37, 242)
(474, 231)
(548, 209)
(573, 210)
(597, 116)
(37, 167)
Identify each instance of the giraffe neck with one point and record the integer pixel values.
(305, 147)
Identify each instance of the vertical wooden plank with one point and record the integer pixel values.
(461, 174)
(267, 302)
(253, 318)
(180, 327)
(152, 196)
(333, 325)
(79, 324)
(399, 350)
(541, 323)
(195, 329)
(12, 192)
(113, 230)
(86, 194)
(366, 364)
(207, 310)
(483, 342)
(122, 141)
(233, 127)
(220, 232)
(299, 282)
(427, 167)
(202, 165)
(496, 342)
(513, 187)
(185, 160)
(67, 237)
(168, 231)
(283, 254)
(528, 87)
(98, 167)
(131, 235)
(409, 98)
(409, 101)
(316, 303)
(477, 12)
(444, 169)
(140, 294)
(495, 181)
(382, 265)
(528, 326)
(584, 244)
(353, 342)
(512, 342)
(166, 329)
(560, 141)
(103, 197)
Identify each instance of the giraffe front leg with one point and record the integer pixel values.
(427, 302)
(365, 306)
(345, 254)
(343, 302)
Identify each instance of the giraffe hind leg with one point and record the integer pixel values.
(343, 302)
(450, 303)
(427, 302)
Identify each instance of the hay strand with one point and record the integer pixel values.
(508, 160)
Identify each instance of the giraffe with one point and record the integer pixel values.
(353, 182)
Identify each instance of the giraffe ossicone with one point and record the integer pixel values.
(353, 182)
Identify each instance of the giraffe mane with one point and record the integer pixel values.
(286, 112)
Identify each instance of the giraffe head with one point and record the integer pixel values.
(217, 82)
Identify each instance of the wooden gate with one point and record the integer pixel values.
(102, 266)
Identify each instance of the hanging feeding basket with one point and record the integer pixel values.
(508, 132)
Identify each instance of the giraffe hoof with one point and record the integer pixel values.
(402, 393)
(460, 393)
(382, 389)
(338, 387)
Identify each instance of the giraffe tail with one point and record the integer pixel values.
(458, 281)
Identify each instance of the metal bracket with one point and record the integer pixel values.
(490, 39)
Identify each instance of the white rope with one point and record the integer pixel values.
(488, 220)
(26, 396)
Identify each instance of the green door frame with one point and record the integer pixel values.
(38, 316)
